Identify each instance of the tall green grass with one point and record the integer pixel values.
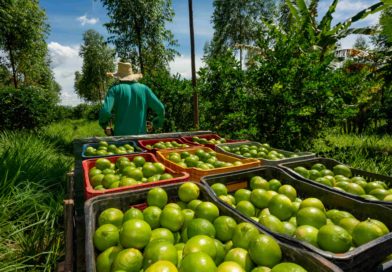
(372, 153)
(33, 167)
(63, 133)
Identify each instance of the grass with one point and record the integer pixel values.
(372, 153)
(33, 167)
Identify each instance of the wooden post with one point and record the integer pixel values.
(195, 98)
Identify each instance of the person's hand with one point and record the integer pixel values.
(108, 131)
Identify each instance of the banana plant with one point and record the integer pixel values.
(324, 35)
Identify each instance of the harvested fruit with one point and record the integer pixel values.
(217, 243)
(201, 140)
(340, 177)
(105, 149)
(166, 145)
(260, 151)
(307, 219)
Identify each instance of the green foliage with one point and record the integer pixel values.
(86, 111)
(22, 37)
(224, 99)
(139, 34)
(26, 108)
(237, 22)
(368, 152)
(98, 59)
(176, 95)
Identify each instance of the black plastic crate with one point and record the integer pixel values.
(330, 163)
(94, 206)
(363, 258)
(288, 154)
(117, 143)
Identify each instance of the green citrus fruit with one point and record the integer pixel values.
(159, 250)
(139, 161)
(246, 207)
(311, 216)
(197, 262)
(265, 251)
(241, 257)
(334, 238)
(105, 236)
(200, 226)
(171, 218)
(242, 194)
(288, 228)
(207, 210)
(302, 171)
(307, 234)
(102, 163)
(258, 182)
(366, 231)
(111, 216)
(288, 267)
(157, 197)
(274, 184)
(193, 204)
(281, 207)
(288, 191)
(162, 234)
(224, 226)
(188, 192)
(201, 243)
(230, 266)
(152, 215)
(336, 215)
(135, 233)
(130, 260)
(312, 202)
(343, 170)
(162, 266)
(272, 223)
(349, 224)
(105, 259)
(219, 189)
(243, 234)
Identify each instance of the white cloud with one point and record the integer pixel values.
(182, 65)
(84, 20)
(65, 62)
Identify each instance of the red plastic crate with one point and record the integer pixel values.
(144, 143)
(195, 173)
(188, 140)
(90, 192)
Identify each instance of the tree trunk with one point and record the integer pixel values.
(13, 68)
(139, 47)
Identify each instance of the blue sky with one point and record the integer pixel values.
(69, 19)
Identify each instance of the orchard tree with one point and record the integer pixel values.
(23, 30)
(237, 22)
(361, 44)
(139, 33)
(98, 59)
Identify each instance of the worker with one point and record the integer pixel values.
(129, 101)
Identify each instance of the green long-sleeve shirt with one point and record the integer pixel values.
(129, 102)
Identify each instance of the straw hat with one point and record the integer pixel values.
(125, 73)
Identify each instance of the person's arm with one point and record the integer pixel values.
(157, 107)
(106, 112)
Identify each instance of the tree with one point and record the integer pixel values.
(139, 33)
(98, 59)
(361, 44)
(320, 34)
(22, 37)
(237, 22)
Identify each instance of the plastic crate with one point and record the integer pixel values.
(195, 173)
(124, 200)
(301, 155)
(330, 163)
(363, 258)
(144, 143)
(91, 192)
(188, 140)
(118, 143)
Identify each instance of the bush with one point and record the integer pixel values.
(26, 107)
(176, 95)
(86, 111)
